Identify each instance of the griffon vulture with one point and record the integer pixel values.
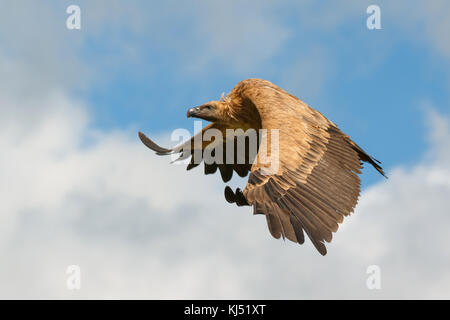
(316, 180)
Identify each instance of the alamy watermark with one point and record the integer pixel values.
(73, 21)
(73, 281)
(373, 21)
(234, 146)
(373, 281)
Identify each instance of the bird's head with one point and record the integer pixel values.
(214, 111)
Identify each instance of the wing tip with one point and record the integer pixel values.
(152, 145)
(380, 170)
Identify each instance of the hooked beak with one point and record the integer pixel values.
(192, 112)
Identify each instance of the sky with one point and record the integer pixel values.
(79, 188)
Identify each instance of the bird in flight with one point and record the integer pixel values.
(311, 181)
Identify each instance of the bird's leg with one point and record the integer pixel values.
(235, 197)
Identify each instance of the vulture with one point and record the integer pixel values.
(311, 181)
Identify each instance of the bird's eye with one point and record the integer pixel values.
(208, 107)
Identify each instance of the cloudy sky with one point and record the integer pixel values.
(78, 187)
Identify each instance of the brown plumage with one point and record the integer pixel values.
(316, 182)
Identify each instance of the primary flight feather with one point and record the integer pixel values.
(315, 182)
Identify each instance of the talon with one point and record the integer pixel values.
(229, 195)
(240, 198)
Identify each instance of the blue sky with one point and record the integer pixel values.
(79, 188)
(373, 83)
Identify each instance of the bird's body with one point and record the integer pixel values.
(314, 183)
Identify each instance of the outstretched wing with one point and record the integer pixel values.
(196, 147)
(316, 181)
